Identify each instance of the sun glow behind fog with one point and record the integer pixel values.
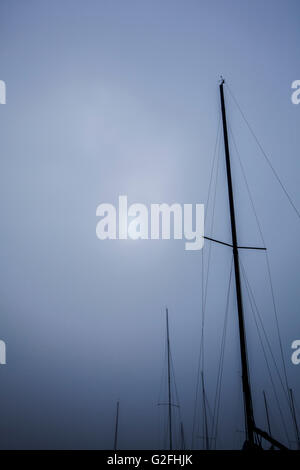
(139, 153)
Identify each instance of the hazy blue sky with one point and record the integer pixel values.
(121, 97)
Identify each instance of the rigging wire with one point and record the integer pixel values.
(254, 309)
(217, 400)
(268, 266)
(216, 159)
(264, 153)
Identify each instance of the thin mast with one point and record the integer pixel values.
(116, 428)
(249, 419)
(295, 419)
(169, 381)
(182, 436)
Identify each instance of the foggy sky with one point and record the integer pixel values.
(121, 97)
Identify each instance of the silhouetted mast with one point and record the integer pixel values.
(183, 445)
(116, 428)
(249, 419)
(169, 381)
(251, 429)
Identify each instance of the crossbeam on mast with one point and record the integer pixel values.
(239, 247)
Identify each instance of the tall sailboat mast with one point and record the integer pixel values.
(169, 380)
(254, 435)
(249, 418)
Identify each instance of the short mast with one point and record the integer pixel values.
(249, 419)
(169, 381)
(116, 428)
